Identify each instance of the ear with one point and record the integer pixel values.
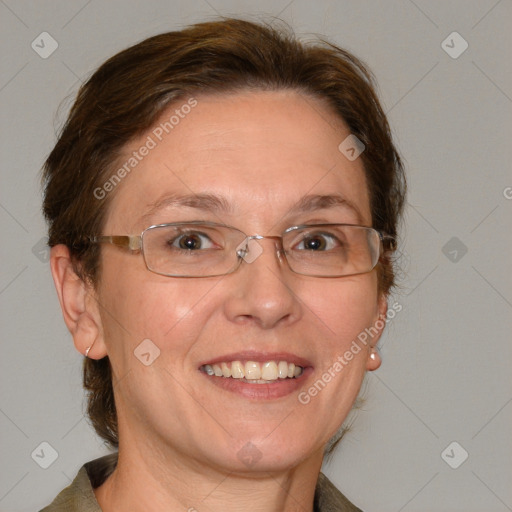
(78, 303)
(374, 360)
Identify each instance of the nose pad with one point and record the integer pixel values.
(281, 256)
(249, 250)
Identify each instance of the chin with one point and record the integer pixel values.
(288, 450)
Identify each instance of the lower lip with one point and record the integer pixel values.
(270, 391)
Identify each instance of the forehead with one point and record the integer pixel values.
(260, 153)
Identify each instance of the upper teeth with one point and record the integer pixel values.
(253, 370)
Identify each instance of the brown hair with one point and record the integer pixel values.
(128, 93)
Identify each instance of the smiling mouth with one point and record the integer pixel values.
(253, 372)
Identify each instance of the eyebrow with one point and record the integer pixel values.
(205, 202)
(314, 202)
(218, 204)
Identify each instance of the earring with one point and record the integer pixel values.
(373, 354)
(89, 348)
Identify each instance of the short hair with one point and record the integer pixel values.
(126, 95)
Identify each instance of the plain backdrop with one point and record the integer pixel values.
(446, 373)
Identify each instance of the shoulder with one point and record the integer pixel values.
(79, 495)
(329, 499)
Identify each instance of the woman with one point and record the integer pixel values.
(223, 205)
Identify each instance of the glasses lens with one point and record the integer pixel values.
(332, 250)
(191, 250)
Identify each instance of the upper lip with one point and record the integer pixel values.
(259, 357)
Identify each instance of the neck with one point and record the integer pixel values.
(172, 481)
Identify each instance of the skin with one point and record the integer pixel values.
(179, 433)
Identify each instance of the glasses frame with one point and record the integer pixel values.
(135, 244)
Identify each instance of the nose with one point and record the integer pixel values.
(262, 291)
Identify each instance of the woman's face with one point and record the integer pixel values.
(267, 157)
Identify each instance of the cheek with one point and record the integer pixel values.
(344, 309)
(139, 305)
(345, 306)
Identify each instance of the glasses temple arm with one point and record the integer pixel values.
(388, 240)
(131, 242)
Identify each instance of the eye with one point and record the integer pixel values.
(318, 242)
(192, 242)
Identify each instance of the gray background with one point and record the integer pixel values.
(447, 355)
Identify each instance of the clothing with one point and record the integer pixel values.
(79, 496)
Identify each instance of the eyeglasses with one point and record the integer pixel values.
(207, 249)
